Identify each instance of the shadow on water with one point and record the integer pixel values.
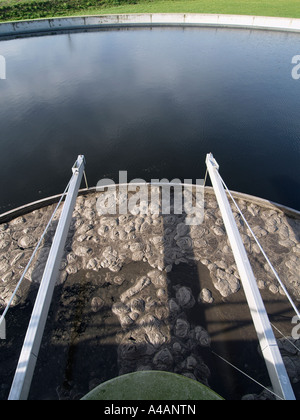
(17, 320)
(230, 328)
(84, 343)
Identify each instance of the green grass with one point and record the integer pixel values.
(30, 9)
(283, 8)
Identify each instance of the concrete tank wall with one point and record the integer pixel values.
(23, 28)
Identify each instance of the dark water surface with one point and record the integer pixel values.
(152, 102)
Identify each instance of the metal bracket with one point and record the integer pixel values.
(80, 161)
(212, 161)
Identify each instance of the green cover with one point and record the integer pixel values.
(152, 385)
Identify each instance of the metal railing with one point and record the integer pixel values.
(29, 353)
(276, 368)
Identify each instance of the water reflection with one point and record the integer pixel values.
(152, 102)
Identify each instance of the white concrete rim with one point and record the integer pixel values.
(36, 205)
(77, 23)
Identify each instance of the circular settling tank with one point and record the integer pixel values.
(152, 101)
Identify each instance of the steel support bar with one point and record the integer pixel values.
(277, 371)
(27, 361)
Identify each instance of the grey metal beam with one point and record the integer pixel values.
(27, 361)
(277, 371)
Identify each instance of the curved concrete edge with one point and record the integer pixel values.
(27, 27)
(35, 205)
(262, 202)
